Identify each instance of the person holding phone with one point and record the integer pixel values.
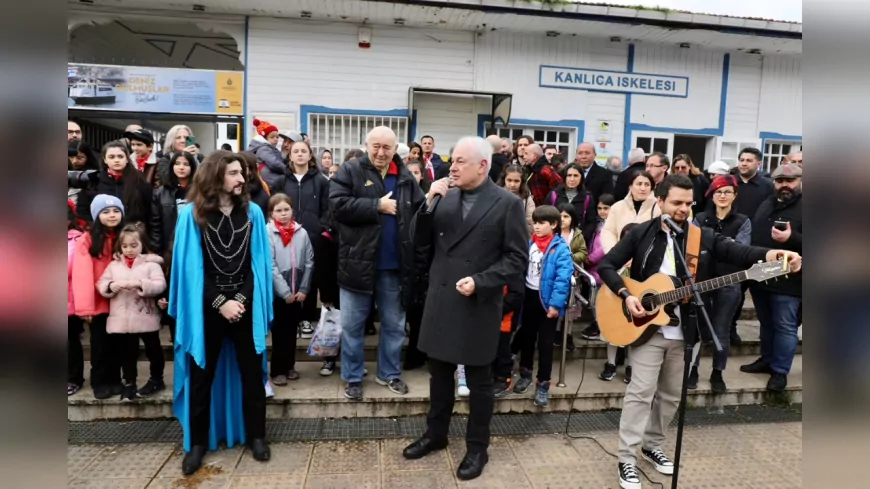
(779, 222)
(179, 139)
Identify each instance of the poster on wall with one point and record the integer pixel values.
(603, 136)
(150, 89)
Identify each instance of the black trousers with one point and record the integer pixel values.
(503, 365)
(442, 391)
(414, 356)
(537, 329)
(217, 329)
(127, 346)
(284, 327)
(105, 363)
(743, 288)
(75, 357)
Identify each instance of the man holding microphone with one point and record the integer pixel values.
(476, 241)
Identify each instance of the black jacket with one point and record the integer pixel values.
(310, 198)
(792, 212)
(735, 226)
(499, 161)
(751, 194)
(490, 245)
(586, 218)
(354, 195)
(597, 182)
(164, 215)
(260, 197)
(624, 179)
(106, 184)
(701, 185)
(645, 247)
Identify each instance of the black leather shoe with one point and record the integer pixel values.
(422, 447)
(260, 450)
(472, 466)
(193, 459)
(756, 367)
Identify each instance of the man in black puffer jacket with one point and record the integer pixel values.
(374, 200)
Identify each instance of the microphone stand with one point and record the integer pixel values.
(689, 338)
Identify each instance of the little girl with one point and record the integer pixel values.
(132, 281)
(610, 367)
(92, 255)
(75, 365)
(596, 254)
(292, 271)
(513, 180)
(573, 235)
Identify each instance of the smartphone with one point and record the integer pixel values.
(189, 141)
(781, 225)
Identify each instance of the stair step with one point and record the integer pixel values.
(313, 396)
(747, 329)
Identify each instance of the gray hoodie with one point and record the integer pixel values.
(292, 265)
(271, 157)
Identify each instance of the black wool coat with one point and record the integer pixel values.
(491, 246)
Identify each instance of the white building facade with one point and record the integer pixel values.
(617, 77)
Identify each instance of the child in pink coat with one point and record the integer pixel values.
(132, 282)
(75, 365)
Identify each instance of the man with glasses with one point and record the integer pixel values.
(657, 165)
(73, 131)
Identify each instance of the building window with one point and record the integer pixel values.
(340, 133)
(775, 152)
(556, 137)
(731, 150)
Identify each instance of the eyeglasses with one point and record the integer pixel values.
(681, 168)
(655, 166)
(724, 193)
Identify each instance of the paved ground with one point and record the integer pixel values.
(740, 456)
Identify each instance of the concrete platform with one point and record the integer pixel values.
(314, 396)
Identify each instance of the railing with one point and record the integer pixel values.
(580, 275)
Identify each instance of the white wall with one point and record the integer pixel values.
(780, 109)
(700, 110)
(445, 118)
(314, 63)
(744, 91)
(205, 133)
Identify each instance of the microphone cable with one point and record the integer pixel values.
(590, 437)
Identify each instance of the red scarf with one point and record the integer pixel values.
(542, 243)
(140, 162)
(116, 176)
(129, 261)
(286, 232)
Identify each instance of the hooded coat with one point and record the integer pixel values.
(133, 311)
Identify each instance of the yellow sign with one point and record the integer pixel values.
(229, 92)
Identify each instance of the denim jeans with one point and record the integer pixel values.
(778, 315)
(721, 304)
(355, 308)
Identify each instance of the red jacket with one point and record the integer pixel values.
(86, 270)
(542, 180)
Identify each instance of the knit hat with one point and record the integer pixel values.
(264, 128)
(403, 150)
(292, 135)
(718, 168)
(721, 181)
(104, 201)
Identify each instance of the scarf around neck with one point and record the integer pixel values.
(286, 232)
(542, 243)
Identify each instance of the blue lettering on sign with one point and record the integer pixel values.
(640, 83)
(559, 75)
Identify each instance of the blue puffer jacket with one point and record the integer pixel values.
(556, 273)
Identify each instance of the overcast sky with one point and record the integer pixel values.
(789, 10)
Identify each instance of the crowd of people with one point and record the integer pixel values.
(169, 238)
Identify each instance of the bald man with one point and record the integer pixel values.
(596, 180)
(542, 178)
(797, 158)
(499, 160)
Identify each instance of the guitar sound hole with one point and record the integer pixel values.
(647, 302)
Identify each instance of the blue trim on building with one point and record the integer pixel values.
(304, 110)
(765, 135)
(245, 110)
(626, 124)
(577, 124)
(412, 130)
(715, 131)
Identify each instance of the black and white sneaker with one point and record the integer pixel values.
(628, 478)
(659, 460)
(608, 373)
(306, 330)
(591, 332)
(395, 385)
(327, 368)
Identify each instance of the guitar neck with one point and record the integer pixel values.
(705, 286)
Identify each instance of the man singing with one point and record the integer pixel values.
(657, 366)
(222, 314)
(478, 243)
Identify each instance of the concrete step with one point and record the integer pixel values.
(313, 396)
(747, 329)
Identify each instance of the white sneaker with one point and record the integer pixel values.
(270, 392)
(306, 330)
(628, 478)
(463, 390)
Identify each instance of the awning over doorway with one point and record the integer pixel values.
(500, 108)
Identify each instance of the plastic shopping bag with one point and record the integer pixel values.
(327, 336)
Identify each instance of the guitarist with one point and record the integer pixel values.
(654, 392)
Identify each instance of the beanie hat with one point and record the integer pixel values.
(264, 128)
(718, 168)
(721, 181)
(104, 201)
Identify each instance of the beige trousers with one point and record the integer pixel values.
(652, 397)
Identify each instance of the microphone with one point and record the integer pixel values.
(674, 227)
(437, 199)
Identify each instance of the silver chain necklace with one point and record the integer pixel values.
(224, 216)
(210, 249)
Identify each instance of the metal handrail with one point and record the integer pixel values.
(576, 294)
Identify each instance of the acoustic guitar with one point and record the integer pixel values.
(658, 294)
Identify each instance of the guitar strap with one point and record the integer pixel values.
(693, 249)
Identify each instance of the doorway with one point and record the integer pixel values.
(697, 147)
